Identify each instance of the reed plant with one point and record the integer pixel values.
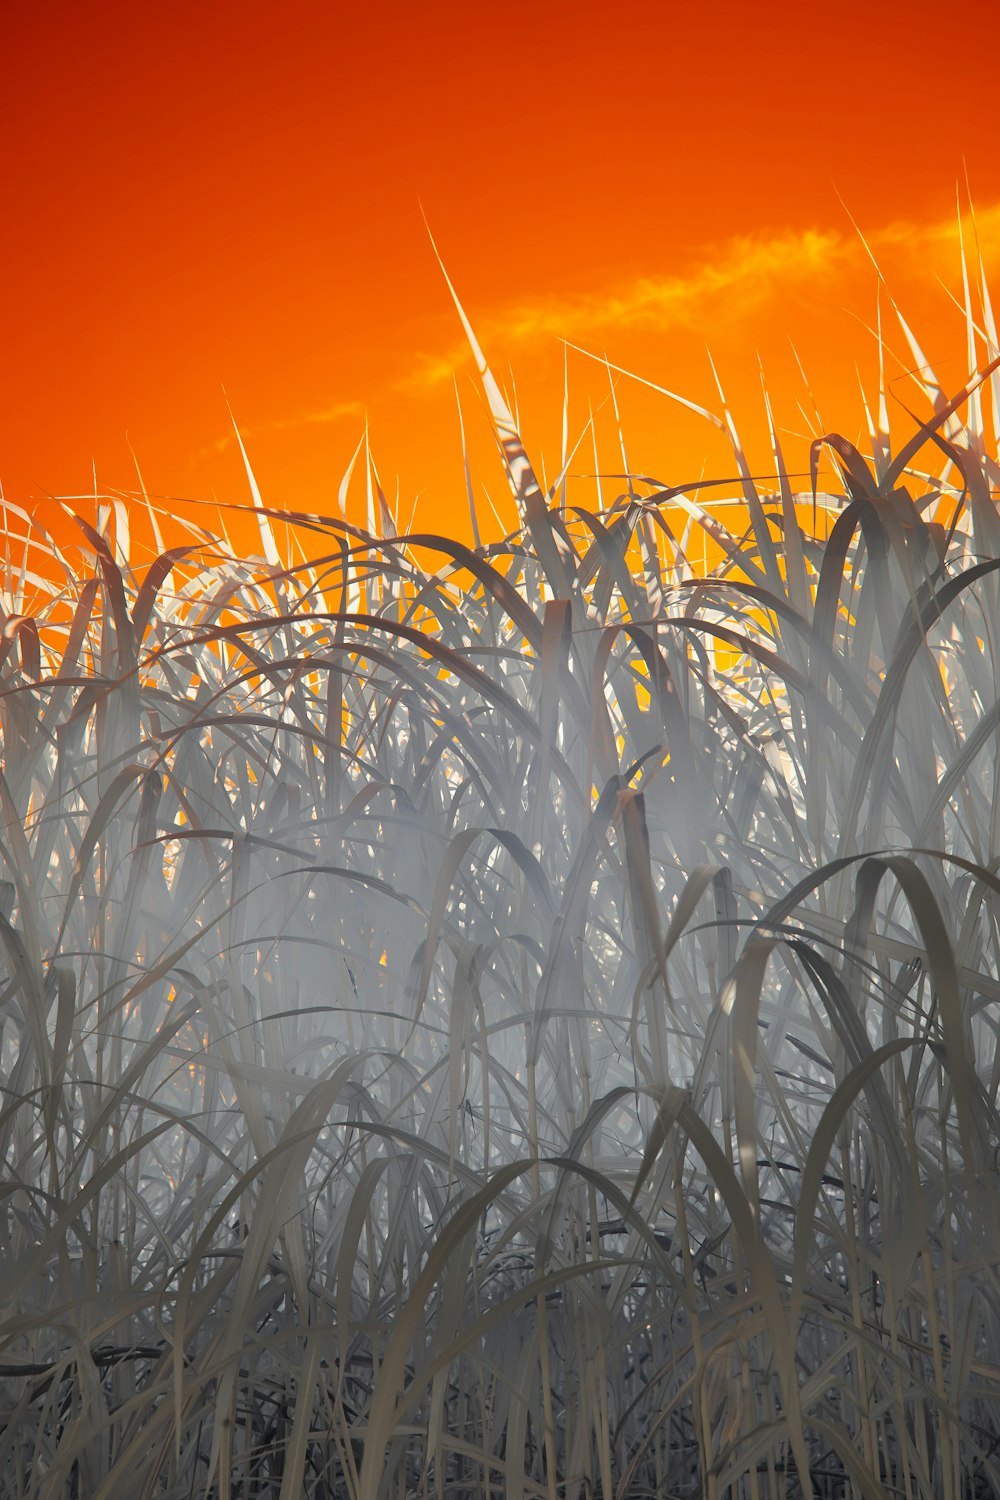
(516, 1020)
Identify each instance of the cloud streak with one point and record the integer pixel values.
(324, 416)
(733, 279)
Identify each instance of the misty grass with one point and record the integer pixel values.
(519, 1025)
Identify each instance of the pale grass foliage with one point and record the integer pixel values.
(520, 1025)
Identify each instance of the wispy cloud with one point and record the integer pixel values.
(944, 233)
(732, 279)
(323, 416)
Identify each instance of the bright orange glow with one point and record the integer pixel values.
(228, 195)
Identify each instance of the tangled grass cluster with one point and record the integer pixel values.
(517, 1024)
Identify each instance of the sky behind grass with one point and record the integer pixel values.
(229, 196)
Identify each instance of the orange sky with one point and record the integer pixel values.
(228, 195)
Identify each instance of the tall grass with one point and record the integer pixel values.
(516, 1024)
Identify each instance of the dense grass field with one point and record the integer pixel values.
(516, 1021)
